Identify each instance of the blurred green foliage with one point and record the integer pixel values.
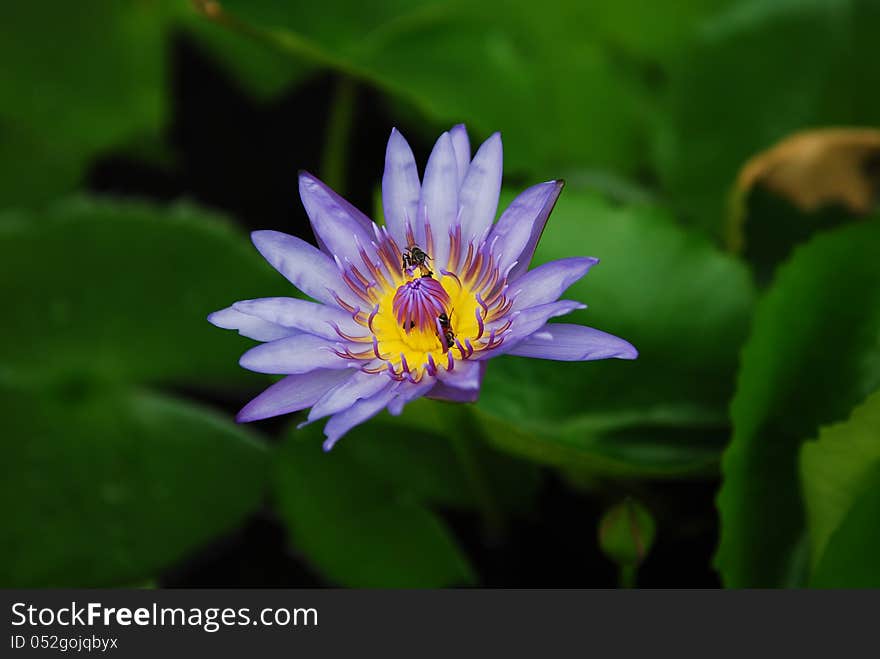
(812, 356)
(840, 472)
(110, 474)
(361, 513)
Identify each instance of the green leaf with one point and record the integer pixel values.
(684, 305)
(121, 290)
(358, 512)
(81, 78)
(650, 31)
(756, 74)
(421, 452)
(33, 168)
(837, 469)
(260, 68)
(102, 487)
(92, 76)
(514, 67)
(812, 356)
(775, 227)
(850, 557)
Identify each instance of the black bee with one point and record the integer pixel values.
(413, 257)
(446, 327)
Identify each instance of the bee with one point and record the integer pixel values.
(446, 327)
(414, 257)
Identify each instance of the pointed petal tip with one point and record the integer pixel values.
(628, 351)
(244, 360)
(264, 236)
(247, 414)
(308, 179)
(396, 138)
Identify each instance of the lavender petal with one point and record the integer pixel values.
(569, 343)
(360, 385)
(339, 231)
(364, 409)
(400, 186)
(309, 317)
(249, 326)
(478, 198)
(548, 281)
(521, 224)
(439, 199)
(462, 385)
(304, 266)
(293, 393)
(293, 355)
(408, 392)
(462, 146)
(527, 322)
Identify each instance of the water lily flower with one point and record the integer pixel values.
(415, 307)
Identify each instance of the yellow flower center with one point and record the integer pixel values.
(420, 318)
(395, 343)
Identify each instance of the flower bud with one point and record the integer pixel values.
(626, 533)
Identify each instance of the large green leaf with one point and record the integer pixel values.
(532, 72)
(122, 290)
(91, 76)
(259, 67)
(683, 304)
(836, 469)
(812, 356)
(757, 73)
(358, 513)
(362, 513)
(102, 487)
(80, 78)
(851, 556)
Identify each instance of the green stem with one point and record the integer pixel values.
(626, 577)
(339, 126)
(495, 525)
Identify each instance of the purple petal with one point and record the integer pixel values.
(304, 266)
(360, 385)
(451, 394)
(362, 410)
(548, 281)
(408, 392)
(462, 385)
(249, 326)
(462, 147)
(573, 343)
(339, 227)
(521, 224)
(293, 393)
(310, 317)
(439, 200)
(400, 186)
(527, 322)
(478, 198)
(296, 354)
